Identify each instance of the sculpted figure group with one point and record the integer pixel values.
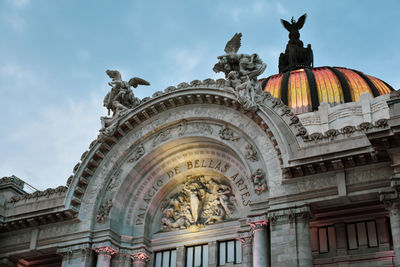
(241, 71)
(119, 100)
(202, 201)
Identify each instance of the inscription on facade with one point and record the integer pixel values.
(217, 165)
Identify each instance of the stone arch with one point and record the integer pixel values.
(107, 151)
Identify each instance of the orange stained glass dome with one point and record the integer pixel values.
(304, 89)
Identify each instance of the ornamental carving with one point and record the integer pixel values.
(139, 152)
(202, 200)
(259, 182)
(104, 211)
(251, 153)
(227, 134)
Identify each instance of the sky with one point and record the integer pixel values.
(53, 57)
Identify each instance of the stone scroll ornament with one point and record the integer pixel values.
(241, 71)
(202, 201)
(119, 100)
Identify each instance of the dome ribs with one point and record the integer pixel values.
(313, 89)
(373, 88)
(285, 88)
(343, 84)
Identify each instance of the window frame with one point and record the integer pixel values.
(235, 244)
(162, 258)
(194, 253)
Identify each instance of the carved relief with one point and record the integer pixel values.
(251, 153)
(227, 134)
(182, 126)
(202, 128)
(161, 137)
(259, 182)
(201, 201)
(104, 211)
(139, 152)
(114, 181)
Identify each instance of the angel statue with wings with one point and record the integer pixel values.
(120, 98)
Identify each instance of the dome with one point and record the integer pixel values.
(304, 89)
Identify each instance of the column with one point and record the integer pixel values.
(395, 226)
(246, 239)
(140, 259)
(260, 241)
(392, 204)
(121, 259)
(304, 252)
(104, 255)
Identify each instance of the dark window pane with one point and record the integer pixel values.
(189, 257)
(158, 259)
(222, 253)
(372, 238)
(323, 242)
(205, 255)
(173, 258)
(197, 256)
(362, 234)
(238, 252)
(231, 251)
(352, 236)
(165, 259)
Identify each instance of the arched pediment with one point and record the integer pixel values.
(270, 133)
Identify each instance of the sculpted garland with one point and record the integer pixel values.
(202, 201)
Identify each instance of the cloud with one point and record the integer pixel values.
(281, 9)
(19, 3)
(16, 22)
(20, 76)
(44, 151)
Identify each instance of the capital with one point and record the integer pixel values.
(106, 251)
(140, 257)
(246, 238)
(258, 222)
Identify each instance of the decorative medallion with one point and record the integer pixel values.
(201, 201)
(259, 182)
(227, 134)
(251, 153)
(104, 210)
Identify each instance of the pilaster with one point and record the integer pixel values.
(290, 236)
(246, 239)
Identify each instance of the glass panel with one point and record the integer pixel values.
(372, 238)
(222, 254)
(231, 251)
(362, 234)
(189, 257)
(158, 259)
(238, 252)
(323, 242)
(197, 256)
(205, 255)
(173, 258)
(351, 235)
(165, 262)
(332, 238)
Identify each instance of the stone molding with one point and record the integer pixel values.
(290, 215)
(49, 192)
(83, 249)
(12, 180)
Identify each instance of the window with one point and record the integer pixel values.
(166, 258)
(197, 256)
(229, 252)
(362, 234)
(326, 239)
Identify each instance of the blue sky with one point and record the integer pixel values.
(54, 55)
